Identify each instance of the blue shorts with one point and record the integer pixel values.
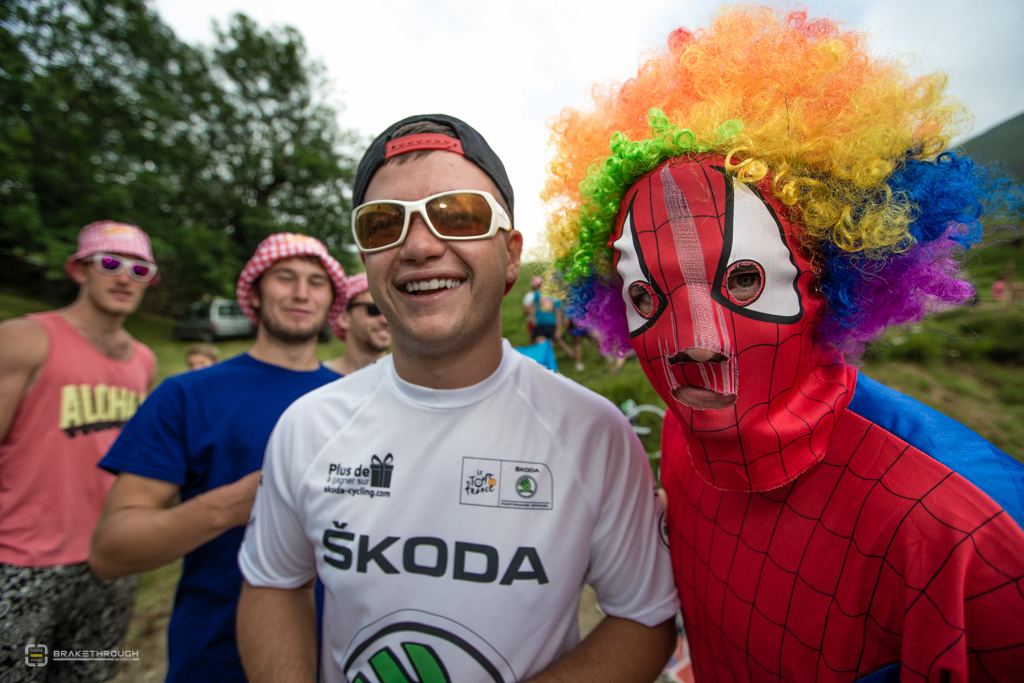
(546, 331)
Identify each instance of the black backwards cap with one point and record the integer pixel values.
(466, 142)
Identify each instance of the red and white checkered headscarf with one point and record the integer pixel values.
(281, 246)
(354, 286)
(114, 238)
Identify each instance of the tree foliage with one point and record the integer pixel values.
(107, 115)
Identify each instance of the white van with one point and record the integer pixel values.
(212, 321)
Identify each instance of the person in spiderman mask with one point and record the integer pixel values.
(759, 203)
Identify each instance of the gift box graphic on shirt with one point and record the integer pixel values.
(380, 471)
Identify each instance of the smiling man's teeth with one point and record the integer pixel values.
(429, 285)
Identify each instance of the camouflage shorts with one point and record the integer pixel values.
(44, 610)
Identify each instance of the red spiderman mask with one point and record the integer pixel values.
(722, 312)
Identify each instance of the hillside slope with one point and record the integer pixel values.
(1001, 144)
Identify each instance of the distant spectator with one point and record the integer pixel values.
(999, 291)
(68, 380)
(529, 311)
(362, 327)
(550, 322)
(578, 334)
(201, 355)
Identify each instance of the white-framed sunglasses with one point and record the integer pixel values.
(455, 215)
(114, 264)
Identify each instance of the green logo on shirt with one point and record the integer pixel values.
(428, 668)
(412, 646)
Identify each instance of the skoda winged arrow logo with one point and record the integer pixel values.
(431, 649)
(428, 668)
(526, 486)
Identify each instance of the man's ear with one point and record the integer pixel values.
(254, 296)
(343, 320)
(514, 245)
(77, 271)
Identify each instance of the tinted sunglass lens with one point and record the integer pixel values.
(111, 264)
(460, 214)
(372, 310)
(142, 271)
(378, 225)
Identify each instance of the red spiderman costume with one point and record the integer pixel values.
(808, 541)
(822, 526)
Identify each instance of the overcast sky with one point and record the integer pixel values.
(506, 67)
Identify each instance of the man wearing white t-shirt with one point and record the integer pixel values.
(454, 496)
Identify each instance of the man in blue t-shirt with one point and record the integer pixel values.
(200, 438)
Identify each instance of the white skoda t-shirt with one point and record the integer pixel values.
(454, 530)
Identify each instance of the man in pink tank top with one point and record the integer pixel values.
(69, 379)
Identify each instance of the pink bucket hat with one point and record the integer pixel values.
(354, 286)
(115, 238)
(278, 247)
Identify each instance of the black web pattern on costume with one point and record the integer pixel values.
(820, 579)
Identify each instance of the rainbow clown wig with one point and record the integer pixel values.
(857, 148)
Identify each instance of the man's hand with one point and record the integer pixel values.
(239, 498)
